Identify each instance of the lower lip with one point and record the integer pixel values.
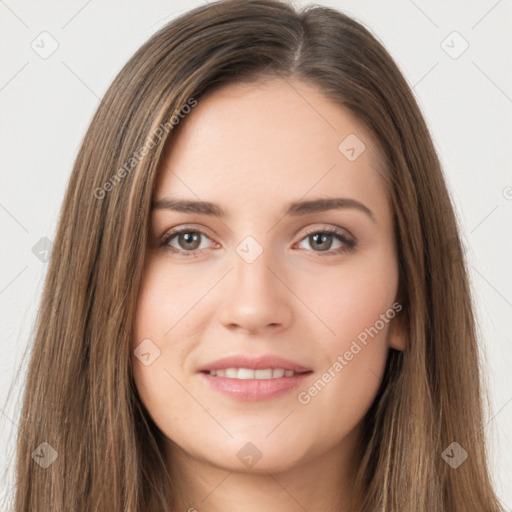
(255, 389)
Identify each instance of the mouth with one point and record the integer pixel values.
(250, 379)
(249, 373)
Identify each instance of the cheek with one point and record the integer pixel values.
(168, 307)
(356, 308)
(167, 325)
(352, 298)
(337, 400)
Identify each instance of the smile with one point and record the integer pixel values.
(252, 385)
(248, 373)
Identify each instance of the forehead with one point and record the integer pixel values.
(275, 141)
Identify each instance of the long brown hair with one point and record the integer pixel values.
(80, 397)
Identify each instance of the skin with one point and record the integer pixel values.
(252, 149)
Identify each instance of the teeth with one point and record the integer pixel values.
(247, 373)
(241, 373)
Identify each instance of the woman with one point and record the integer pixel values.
(257, 297)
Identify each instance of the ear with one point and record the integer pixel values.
(397, 332)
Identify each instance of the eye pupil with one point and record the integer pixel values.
(189, 238)
(322, 244)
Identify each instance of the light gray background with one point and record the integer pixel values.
(46, 105)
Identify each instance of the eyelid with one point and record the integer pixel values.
(329, 229)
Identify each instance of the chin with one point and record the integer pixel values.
(268, 461)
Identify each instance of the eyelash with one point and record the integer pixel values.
(349, 244)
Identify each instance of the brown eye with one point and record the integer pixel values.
(189, 240)
(322, 240)
(185, 241)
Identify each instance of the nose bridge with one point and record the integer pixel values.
(252, 264)
(256, 298)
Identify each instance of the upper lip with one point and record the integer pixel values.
(254, 363)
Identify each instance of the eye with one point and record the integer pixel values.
(188, 241)
(321, 241)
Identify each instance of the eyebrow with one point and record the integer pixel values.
(295, 208)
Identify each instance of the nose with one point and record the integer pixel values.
(256, 298)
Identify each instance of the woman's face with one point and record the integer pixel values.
(306, 315)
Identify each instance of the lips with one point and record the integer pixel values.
(246, 378)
